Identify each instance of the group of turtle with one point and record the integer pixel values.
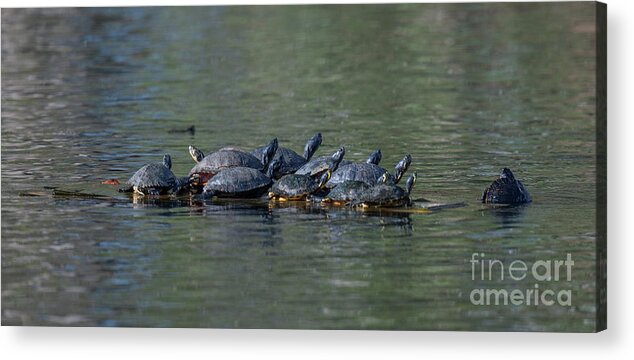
(284, 175)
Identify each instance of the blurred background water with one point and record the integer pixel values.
(90, 94)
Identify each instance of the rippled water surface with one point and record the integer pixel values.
(92, 94)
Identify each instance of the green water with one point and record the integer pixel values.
(92, 94)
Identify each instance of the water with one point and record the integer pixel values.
(92, 94)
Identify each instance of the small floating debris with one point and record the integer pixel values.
(442, 206)
(191, 130)
(80, 194)
(426, 207)
(415, 208)
(111, 182)
(394, 210)
(68, 194)
(32, 193)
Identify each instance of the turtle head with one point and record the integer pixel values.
(195, 153)
(335, 159)
(507, 174)
(167, 161)
(383, 179)
(409, 184)
(324, 179)
(311, 146)
(401, 168)
(269, 153)
(375, 157)
(274, 166)
(194, 180)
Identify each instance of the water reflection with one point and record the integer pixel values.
(508, 216)
(141, 202)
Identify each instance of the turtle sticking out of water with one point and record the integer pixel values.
(385, 194)
(241, 182)
(369, 173)
(506, 190)
(155, 179)
(290, 160)
(208, 166)
(294, 187)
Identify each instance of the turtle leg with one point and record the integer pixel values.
(138, 190)
(314, 198)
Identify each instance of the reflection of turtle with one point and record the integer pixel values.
(369, 173)
(294, 187)
(289, 159)
(155, 179)
(241, 182)
(385, 194)
(208, 166)
(506, 190)
(319, 165)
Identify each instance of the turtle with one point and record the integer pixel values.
(345, 192)
(241, 182)
(506, 190)
(155, 179)
(320, 164)
(368, 172)
(290, 160)
(208, 166)
(348, 190)
(384, 194)
(295, 187)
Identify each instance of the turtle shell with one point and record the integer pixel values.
(383, 195)
(367, 173)
(155, 176)
(232, 148)
(318, 166)
(290, 160)
(223, 159)
(347, 191)
(294, 185)
(240, 182)
(506, 190)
